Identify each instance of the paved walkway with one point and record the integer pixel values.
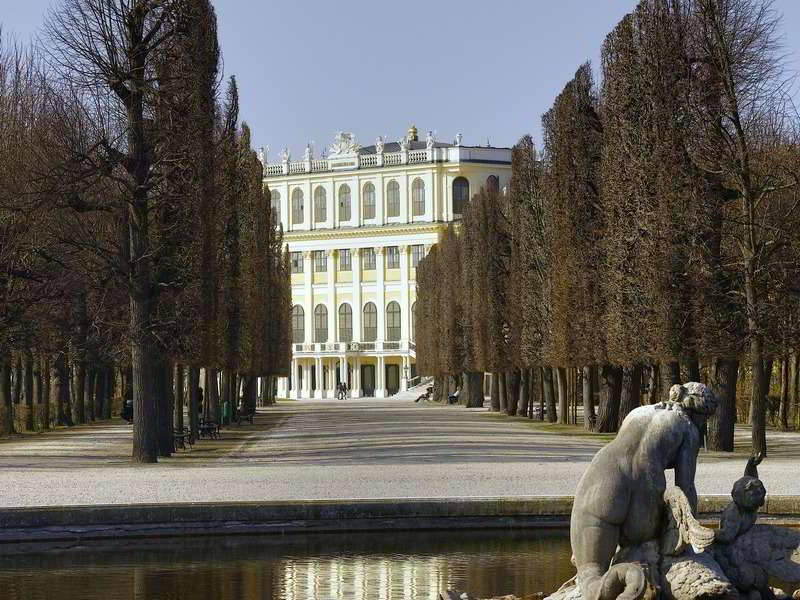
(333, 449)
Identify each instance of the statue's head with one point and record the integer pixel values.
(748, 493)
(695, 398)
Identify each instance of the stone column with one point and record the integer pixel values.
(355, 261)
(405, 199)
(308, 296)
(380, 376)
(319, 393)
(405, 304)
(356, 391)
(306, 389)
(333, 313)
(380, 295)
(380, 213)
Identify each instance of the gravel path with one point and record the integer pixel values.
(340, 449)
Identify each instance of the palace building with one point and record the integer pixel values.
(356, 223)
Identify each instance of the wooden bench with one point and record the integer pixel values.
(182, 438)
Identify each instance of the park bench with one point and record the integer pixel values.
(246, 415)
(182, 438)
(208, 428)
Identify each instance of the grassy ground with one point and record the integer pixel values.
(554, 428)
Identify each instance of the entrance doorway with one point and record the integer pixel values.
(368, 380)
(392, 379)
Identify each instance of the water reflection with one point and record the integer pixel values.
(382, 566)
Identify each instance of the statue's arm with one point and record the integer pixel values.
(685, 468)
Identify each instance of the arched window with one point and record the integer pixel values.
(393, 322)
(320, 205)
(460, 195)
(393, 199)
(321, 323)
(418, 197)
(414, 322)
(275, 205)
(369, 201)
(298, 324)
(370, 322)
(297, 207)
(492, 184)
(345, 323)
(344, 202)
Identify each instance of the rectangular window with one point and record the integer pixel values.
(417, 254)
(297, 262)
(392, 257)
(320, 261)
(344, 260)
(369, 259)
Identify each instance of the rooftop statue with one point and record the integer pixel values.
(634, 538)
(343, 144)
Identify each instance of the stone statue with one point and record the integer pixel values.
(343, 144)
(748, 496)
(379, 144)
(403, 141)
(633, 538)
(309, 153)
(429, 140)
(286, 155)
(459, 139)
(619, 499)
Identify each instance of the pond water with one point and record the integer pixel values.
(364, 566)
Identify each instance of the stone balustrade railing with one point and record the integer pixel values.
(358, 161)
(344, 347)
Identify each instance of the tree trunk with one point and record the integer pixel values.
(38, 393)
(512, 391)
(166, 406)
(179, 399)
(793, 357)
(724, 373)
(79, 374)
(631, 395)
(610, 391)
(549, 394)
(494, 393)
(524, 393)
(88, 393)
(211, 395)
(6, 404)
(654, 392)
(693, 369)
(589, 417)
(109, 399)
(99, 391)
(27, 389)
(796, 399)
(758, 398)
(783, 410)
(194, 400)
(474, 389)
(249, 393)
(503, 392)
(63, 416)
(560, 374)
(46, 392)
(16, 393)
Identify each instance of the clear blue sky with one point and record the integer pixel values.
(488, 69)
